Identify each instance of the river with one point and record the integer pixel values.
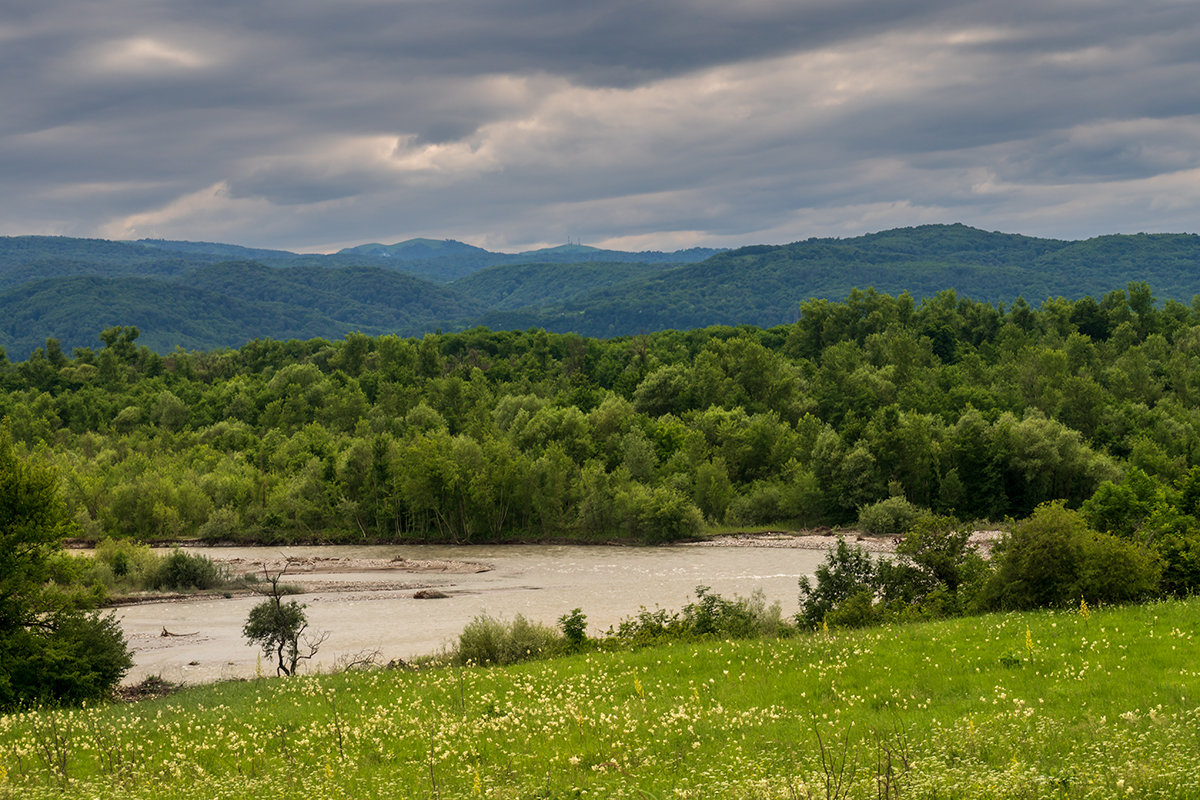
(372, 610)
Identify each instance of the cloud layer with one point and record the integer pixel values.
(513, 123)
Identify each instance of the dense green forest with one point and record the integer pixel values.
(961, 407)
(205, 296)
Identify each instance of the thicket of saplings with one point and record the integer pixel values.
(963, 408)
(117, 568)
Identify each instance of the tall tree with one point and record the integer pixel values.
(50, 651)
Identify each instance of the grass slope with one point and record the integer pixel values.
(1022, 705)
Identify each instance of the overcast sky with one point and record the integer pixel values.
(639, 124)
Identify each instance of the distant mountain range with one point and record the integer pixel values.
(202, 295)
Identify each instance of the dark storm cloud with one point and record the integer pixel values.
(304, 123)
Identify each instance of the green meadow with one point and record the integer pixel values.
(1086, 703)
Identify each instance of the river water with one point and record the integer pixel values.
(378, 613)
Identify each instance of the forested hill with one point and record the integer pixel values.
(766, 285)
(207, 295)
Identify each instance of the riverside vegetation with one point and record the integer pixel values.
(956, 407)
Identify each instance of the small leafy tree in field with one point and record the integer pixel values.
(847, 571)
(574, 629)
(278, 628)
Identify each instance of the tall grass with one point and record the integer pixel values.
(1099, 704)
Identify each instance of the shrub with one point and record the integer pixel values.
(933, 564)
(763, 503)
(487, 640)
(75, 658)
(847, 571)
(894, 515)
(573, 625)
(1053, 558)
(131, 563)
(181, 570)
(657, 515)
(1180, 554)
(711, 616)
(648, 627)
(222, 525)
(856, 611)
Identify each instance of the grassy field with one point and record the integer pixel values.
(1083, 704)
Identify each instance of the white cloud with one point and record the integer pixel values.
(211, 210)
(144, 54)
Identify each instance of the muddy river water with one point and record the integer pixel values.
(362, 597)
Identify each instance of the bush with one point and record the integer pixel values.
(847, 571)
(856, 611)
(182, 570)
(130, 563)
(1180, 554)
(740, 618)
(711, 616)
(657, 515)
(76, 658)
(574, 629)
(648, 627)
(762, 504)
(894, 515)
(487, 640)
(222, 525)
(1053, 559)
(935, 570)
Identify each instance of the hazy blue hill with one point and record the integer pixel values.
(217, 251)
(530, 285)
(956, 242)
(74, 310)
(190, 294)
(224, 304)
(581, 253)
(446, 260)
(765, 285)
(353, 296)
(30, 258)
(417, 250)
(1170, 263)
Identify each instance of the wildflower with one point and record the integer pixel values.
(1029, 641)
(477, 786)
(637, 687)
(1083, 608)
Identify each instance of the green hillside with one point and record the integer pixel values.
(224, 305)
(765, 285)
(391, 288)
(443, 261)
(521, 286)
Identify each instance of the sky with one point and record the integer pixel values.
(312, 125)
